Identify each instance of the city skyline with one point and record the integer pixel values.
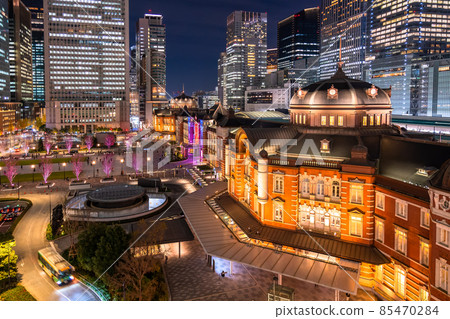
(197, 43)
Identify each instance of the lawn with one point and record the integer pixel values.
(37, 161)
(37, 177)
(18, 293)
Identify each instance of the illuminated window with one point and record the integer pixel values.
(400, 281)
(380, 201)
(371, 120)
(401, 209)
(323, 120)
(278, 211)
(379, 230)
(378, 119)
(379, 273)
(320, 188)
(356, 224)
(364, 122)
(325, 146)
(278, 183)
(332, 120)
(335, 189)
(356, 194)
(425, 218)
(442, 235)
(305, 187)
(340, 120)
(423, 294)
(400, 240)
(424, 252)
(442, 275)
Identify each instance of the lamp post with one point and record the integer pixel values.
(93, 168)
(121, 162)
(34, 170)
(64, 165)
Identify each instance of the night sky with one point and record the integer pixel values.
(196, 34)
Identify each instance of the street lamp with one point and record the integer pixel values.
(93, 168)
(64, 165)
(34, 170)
(121, 162)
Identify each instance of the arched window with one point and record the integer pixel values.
(335, 189)
(305, 187)
(320, 188)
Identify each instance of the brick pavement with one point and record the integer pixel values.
(190, 278)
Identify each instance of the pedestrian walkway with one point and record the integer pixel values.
(190, 278)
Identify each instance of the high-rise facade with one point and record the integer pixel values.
(36, 8)
(20, 52)
(405, 38)
(87, 66)
(246, 54)
(298, 37)
(272, 60)
(221, 78)
(4, 52)
(151, 54)
(343, 22)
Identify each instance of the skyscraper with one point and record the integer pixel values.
(151, 53)
(403, 34)
(87, 66)
(221, 77)
(272, 60)
(36, 8)
(246, 51)
(20, 52)
(348, 19)
(298, 37)
(4, 52)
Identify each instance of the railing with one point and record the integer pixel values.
(101, 293)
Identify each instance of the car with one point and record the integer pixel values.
(10, 216)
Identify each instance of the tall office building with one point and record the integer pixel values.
(246, 50)
(348, 19)
(298, 37)
(151, 53)
(87, 66)
(405, 38)
(221, 77)
(4, 52)
(20, 52)
(272, 60)
(36, 8)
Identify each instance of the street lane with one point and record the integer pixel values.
(30, 237)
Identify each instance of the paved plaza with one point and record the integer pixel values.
(190, 278)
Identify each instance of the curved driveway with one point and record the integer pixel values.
(30, 237)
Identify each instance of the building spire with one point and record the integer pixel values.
(183, 89)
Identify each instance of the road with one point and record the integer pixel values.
(30, 237)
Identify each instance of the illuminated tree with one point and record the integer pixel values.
(77, 166)
(69, 143)
(110, 140)
(26, 148)
(107, 163)
(10, 170)
(89, 141)
(128, 141)
(46, 169)
(48, 144)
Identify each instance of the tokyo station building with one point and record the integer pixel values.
(340, 184)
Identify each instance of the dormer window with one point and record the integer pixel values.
(332, 120)
(323, 120)
(364, 120)
(325, 146)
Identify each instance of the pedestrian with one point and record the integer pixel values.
(223, 274)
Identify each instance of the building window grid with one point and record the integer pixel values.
(379, 230)
(401, 209)
(401, 241)
(424, 252)
(356, 194)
